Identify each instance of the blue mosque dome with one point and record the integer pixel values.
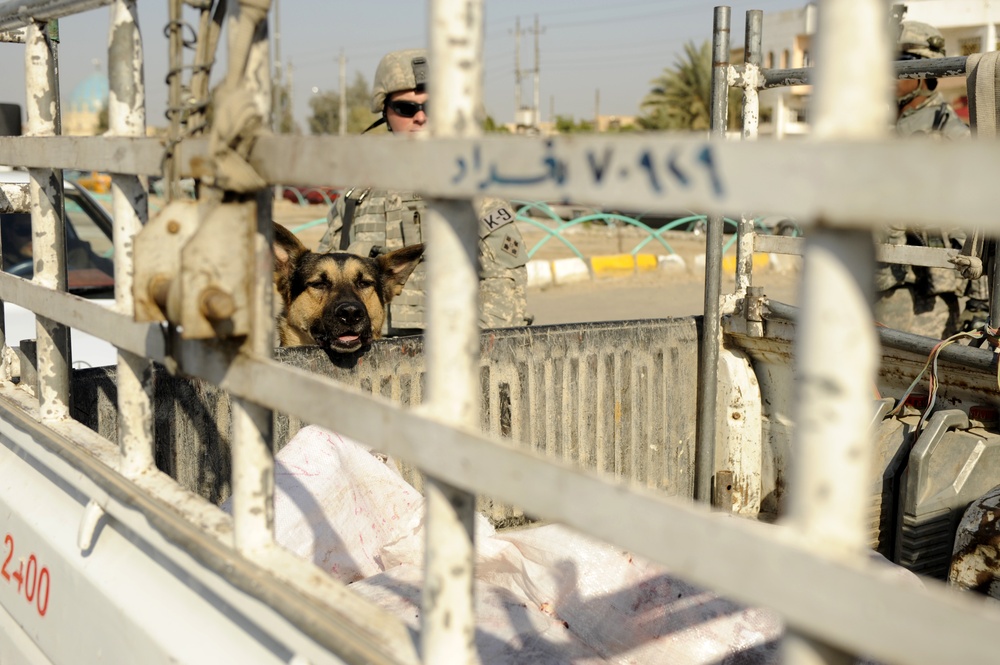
(90, 95)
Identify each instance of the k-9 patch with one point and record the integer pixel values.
(494, 219)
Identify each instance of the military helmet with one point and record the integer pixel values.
(920, 40)
(399, 70)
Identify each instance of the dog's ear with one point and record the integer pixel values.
(287, 249)
(396, 267)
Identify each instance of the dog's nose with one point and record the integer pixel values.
(349, 313)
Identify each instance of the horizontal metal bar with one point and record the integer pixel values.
(828, 181)
(663, 172)
(966, 356)
(769, 244)
(749, 561)
(136, 156)
(904, 69)
(14, 198)
(13, 36)
(142, 339)
(319, 606)
(929, 257)
(19, 13)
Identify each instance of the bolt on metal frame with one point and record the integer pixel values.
(851, 606)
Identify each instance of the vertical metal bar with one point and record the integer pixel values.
(993, 280)
(127, 117)
(453, 393)
(253, 457)
(836, 351)
(209, 29)
(712, 326)
(171, 169)
(751, 115)
(48, 234)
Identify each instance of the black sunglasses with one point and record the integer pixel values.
(407, 109)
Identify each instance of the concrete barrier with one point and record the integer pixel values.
(542, 274)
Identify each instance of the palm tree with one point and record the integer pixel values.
(681, 97)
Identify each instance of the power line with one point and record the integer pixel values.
(578, 9)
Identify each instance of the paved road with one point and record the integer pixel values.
(654, 295)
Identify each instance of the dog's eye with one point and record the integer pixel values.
(365, 283)
(317, 284)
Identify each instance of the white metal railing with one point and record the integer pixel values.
(127, 117)
(849, 603)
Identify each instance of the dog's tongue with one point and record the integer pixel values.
(347, 338)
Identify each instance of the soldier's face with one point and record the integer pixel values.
(398, 120)
(906, 86)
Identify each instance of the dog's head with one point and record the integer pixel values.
(337, 300)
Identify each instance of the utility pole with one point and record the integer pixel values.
(536, 114)
(597, 110)
(277, 93)
(524, 116)
(290, 97)
(277, 98)
(343, 94)
(517, 70)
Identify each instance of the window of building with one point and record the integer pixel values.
(785, 59)
(806, 62)
(770, 60)
(970, 45)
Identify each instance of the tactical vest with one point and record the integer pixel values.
(935, 117)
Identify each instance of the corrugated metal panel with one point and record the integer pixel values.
(618, 398)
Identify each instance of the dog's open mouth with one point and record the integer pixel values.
(346, 341)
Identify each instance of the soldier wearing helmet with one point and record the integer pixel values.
(380, 220)
(927, 300)
(921, 109)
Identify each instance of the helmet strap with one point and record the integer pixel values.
(375, 124)
(920, 91)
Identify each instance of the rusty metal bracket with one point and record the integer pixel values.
(722, 490)
(192, 267)
(216, 274)
(157, 250)
(753, 311)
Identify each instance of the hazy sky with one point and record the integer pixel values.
(585, 46)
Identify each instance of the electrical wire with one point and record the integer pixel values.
(987, 333)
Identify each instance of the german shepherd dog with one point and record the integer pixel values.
(337, 300)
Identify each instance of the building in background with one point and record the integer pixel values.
(786, 43)
(968, 26)
(85, 112)
(612, 123)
